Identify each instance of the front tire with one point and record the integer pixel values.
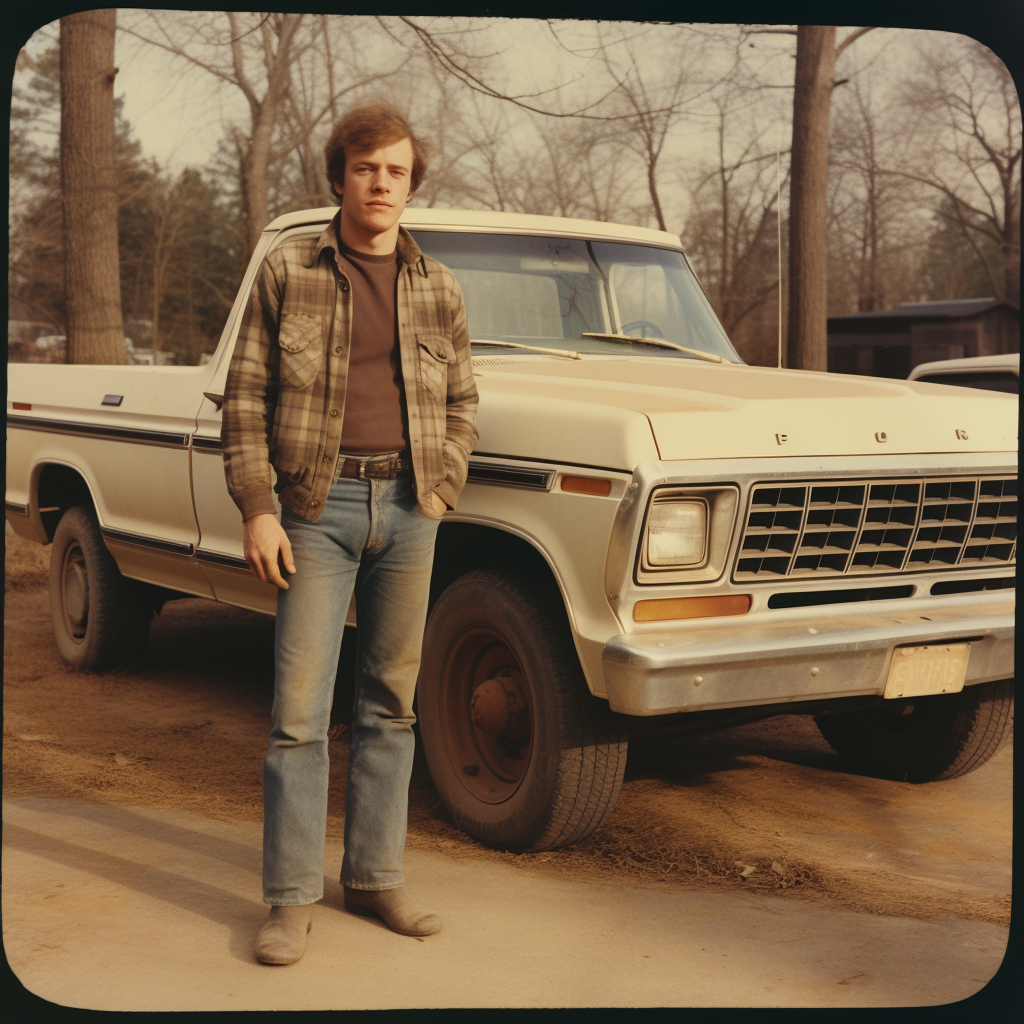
(100, 619)
(522, 755)
(927, 739)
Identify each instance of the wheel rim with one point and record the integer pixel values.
(486, 713)
(74, 593)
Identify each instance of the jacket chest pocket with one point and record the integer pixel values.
(434, 353)
(300, 339)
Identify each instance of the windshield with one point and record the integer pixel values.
(537, 290)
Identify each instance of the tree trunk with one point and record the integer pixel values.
(92, 279)
(1011, 247)
(264, 113)
(873, 297)
(807, 346)
(255, 177)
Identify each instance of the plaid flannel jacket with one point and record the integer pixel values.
(284, 400)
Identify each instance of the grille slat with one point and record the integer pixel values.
(838, 527)
(864, 527)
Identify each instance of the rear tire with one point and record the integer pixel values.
(522, 755)
(926, 739)
(100, 618)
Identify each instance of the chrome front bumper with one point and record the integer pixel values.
(827, 652)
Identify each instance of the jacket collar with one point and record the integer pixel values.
(408, 251)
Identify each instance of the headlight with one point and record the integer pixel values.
(677, 533)
(687, 533)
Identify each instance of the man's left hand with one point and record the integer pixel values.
(439, 506)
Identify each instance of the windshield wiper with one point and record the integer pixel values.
(567, 352)
(660, 342)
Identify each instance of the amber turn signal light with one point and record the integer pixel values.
(587, 485)
(690, 607)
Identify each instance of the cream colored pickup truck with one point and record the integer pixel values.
(654, 536)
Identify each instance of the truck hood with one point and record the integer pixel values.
(619, 411)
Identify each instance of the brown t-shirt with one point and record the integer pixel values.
(375, 415)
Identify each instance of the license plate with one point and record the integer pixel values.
(920, 671)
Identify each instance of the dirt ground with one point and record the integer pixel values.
(188, 730)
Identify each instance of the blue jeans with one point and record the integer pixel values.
(371, 537)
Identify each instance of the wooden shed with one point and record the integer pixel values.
(891, 342)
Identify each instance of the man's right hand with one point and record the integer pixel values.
(265, 545)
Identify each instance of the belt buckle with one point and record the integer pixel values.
(362, 469)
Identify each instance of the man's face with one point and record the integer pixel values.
(376, 188)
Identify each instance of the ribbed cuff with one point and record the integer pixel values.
(255, 501)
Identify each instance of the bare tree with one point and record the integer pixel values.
(555, 169)
(965, 99)
(167, 221)
(492, 155)
(651, 82)
(647, 108)
(262, 55)
(459, 132)
(732, 230)
(254, 58)
(494, 177)
(35, 252)
(875, 219)
(92, 284)
(277, 34)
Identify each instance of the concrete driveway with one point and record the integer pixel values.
(118, 908)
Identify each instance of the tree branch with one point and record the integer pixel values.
(947, 191)
(852, 38)
(178, 52)
(464, 75)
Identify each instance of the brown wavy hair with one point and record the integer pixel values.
(370, 127)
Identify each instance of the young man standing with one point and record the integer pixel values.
(352, 377)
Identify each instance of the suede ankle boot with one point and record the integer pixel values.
(396, 910)
(282, 940)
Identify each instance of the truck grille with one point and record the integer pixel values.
(869, 527)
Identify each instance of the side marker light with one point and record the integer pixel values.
(587, 485)
(690, 607)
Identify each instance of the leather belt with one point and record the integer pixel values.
(377, 467)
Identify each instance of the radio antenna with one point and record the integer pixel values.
(778, 218)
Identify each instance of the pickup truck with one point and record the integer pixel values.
(991, 373)
(654, 536)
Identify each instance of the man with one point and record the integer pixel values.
(352, 376)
